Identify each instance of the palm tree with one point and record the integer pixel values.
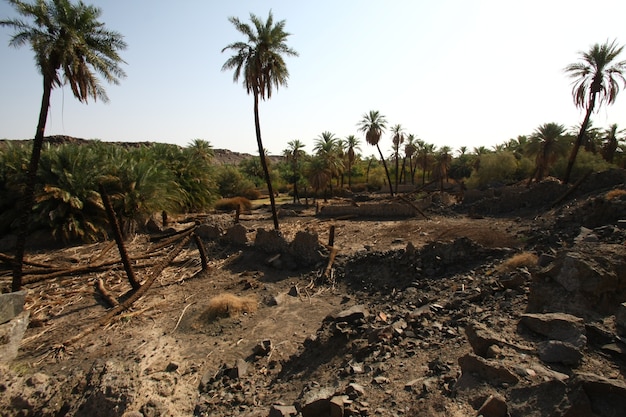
(611, 142)
(260, 61)
(373, 124)
(546, 147)
(409, 150)
(397, 139)
(425, 151)
(595, 77)
(353, 144)
(442, 165)
(327, 147)
(294, 155)
(71, 45)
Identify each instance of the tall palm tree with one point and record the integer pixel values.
(397, 139)
(596, 76)
(373, 124)
(353, 144)
(261, 64)
(425, 151)
(294, 155)
(327, 147)
(613, 137)
(409, 150)
(443, 158)
(71, 45)
(546, 147)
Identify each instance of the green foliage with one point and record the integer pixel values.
(585, 162)
(232, 183)
(500, 167)
(14, 159)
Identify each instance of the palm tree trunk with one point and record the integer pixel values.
(397, 173)
(579, 139)
(382, 158)
(29, 192)
(268, 180)
(349, 175)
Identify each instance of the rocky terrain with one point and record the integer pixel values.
(503, 305)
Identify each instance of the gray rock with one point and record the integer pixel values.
(554, 351)
(607, 396)
(481, 338)
(488, 370)
(494, 406)
(316, 402)
(11, 334)
(354, 313)
(208, 232)
(11, 304)
(556, 326)
(337, 405)
(283, 411)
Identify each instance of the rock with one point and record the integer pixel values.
(556, 326)
(283, 411)
(270, 241)
(355, 390)
(550, 398)
(263, 348)
(515, 279)
(620, 319)
(488, 370)
(337, 405)
(208, 232)
(351, 315)
(237, 235)
(607, 396)
(153, 408)
(494, 406)
(316, 402)
(481, 338)
(239, 370)
(11, 334)
(172, 367)
(294, 291)
(11, 304)
(557, 351)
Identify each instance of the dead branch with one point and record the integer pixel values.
(571, 190)
(108, 297)
(331, 260)
(202, 250)
(409, 202)
(175, 237)
(156, 271)
(9, 260)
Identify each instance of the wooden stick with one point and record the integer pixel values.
(108, 297)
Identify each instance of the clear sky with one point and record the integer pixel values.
(452, 72)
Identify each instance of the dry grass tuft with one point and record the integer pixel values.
(234, 203)
(524, 259)
(227, 304)
(618, 193)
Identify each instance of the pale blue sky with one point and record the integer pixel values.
(452, 72)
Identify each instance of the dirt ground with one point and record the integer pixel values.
(383, 331)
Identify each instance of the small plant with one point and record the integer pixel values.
(523, 259)
(226, 304)
(234, 203)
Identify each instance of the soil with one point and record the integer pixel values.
(388, 329)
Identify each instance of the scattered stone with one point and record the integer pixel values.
(263, 348)
(208, 232)
(489, 370)
(355, 390)
(172, 367)
(553, 351)
(11, 304)
(607, 396)
(351, 315)
(481, 338)
(240, 369)
(315, 402)
(494, 406)
(294, 291)
(337, 405)
(11, 334)
(283, 411)
(557, 326)
(515, 279)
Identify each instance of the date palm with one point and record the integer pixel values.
(71, 46)
(397, 139)
(353, 145)
(410, 148)
(596, 80)
(294, 155)
(547, 146)
(327, 146)
(373, 124)
(613, 137)
(260, 62)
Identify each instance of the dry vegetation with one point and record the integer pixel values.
(228, 305)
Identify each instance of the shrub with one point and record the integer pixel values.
(226, 304)
(523, 259)
(234, 203)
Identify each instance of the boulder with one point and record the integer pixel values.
(556, 326)
(11, 334)
(11, 304)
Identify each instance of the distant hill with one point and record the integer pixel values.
(221, 156)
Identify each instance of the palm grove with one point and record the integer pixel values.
(55, 189)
